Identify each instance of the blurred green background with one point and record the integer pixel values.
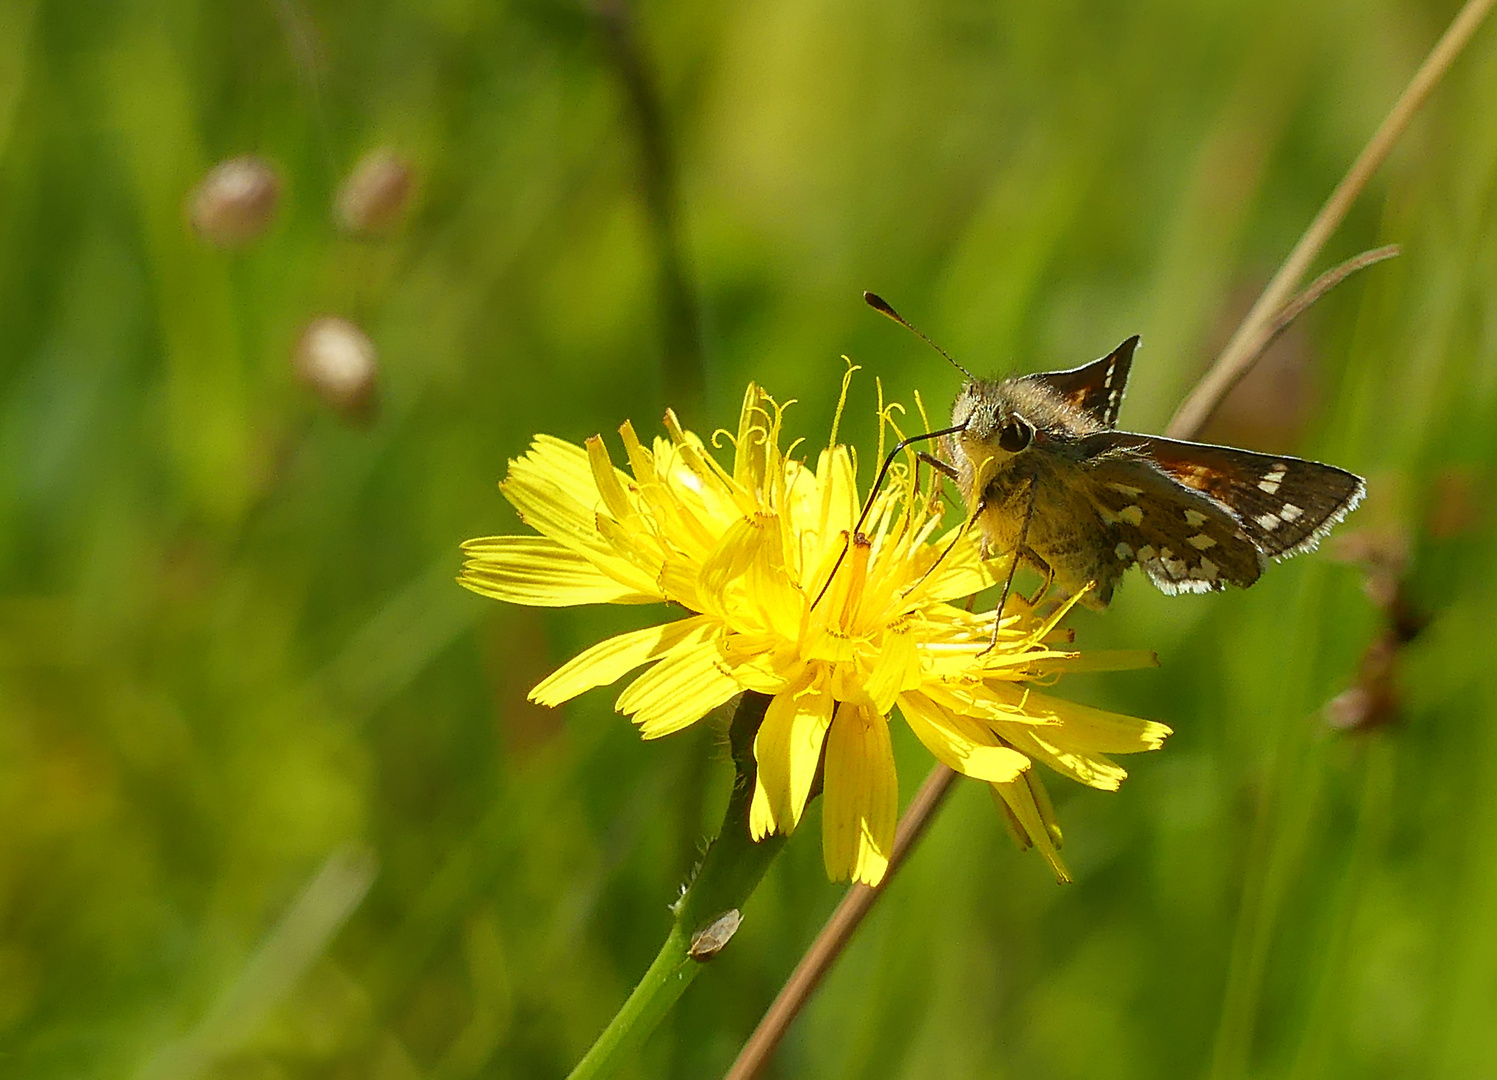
(272, 803)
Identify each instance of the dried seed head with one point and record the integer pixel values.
(1362, 708)
(337, 360)
(236, 202)
(374, 198)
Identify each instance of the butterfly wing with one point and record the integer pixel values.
(1182, 538)
(1096, 388)
(1284, 504)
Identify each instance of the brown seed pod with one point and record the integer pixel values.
(338, 361)
(374, 198)
(236, 202)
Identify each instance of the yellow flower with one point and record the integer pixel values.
(786, 601)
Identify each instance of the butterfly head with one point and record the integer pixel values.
(991, 421)
(1000, 424)
(1014, 416)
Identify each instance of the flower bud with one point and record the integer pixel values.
(337, 360)
(374, 198)
(236, 202)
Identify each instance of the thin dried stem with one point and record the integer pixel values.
(1274, 311)
(837, 932)
(1257, 329)
(1291, 311)
(1319, 287)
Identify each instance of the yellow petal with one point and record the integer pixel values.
(752, 442)
(567, 461)
(553, 498)
(641, 461)
(707, 477)
(736, 551)
(1082, 727)
(770, 587)
(538, 571)
(1083, 766)
(839, 497)
(788, 749)
(609, 482)
(1027, 815)
(761, 817)
(678, 581)
(684, 686)
(617, 656)
(961, 572)
(896, 669)
(1096, 660)
(862, 797)
(990, 703)
(959, 743)
(636, 553)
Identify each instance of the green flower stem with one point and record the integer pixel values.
(730, 871)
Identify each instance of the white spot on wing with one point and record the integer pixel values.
(1195, 519)
(1123, 551)
(1133, 515)
(1200, 541)
(1289, 512)
(1268, 521)
(1125, 489)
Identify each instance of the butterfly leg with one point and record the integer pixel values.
(946, 470)
(1033, 558)
(941, 468)
(1020, 546)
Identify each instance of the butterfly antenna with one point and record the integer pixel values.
(880, 305)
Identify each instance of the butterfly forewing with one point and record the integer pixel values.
(1185, 540)
(1096, 388)
(1285, 504)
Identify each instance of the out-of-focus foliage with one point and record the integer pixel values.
(237, 680)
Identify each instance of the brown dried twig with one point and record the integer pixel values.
(1302, 303)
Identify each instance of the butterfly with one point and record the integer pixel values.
(1047, 475)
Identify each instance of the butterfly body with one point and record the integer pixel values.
(1046, 474)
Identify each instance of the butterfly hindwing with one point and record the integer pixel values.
(1183, 539)
(1096, 388)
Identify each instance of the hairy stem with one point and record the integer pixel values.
(730, 871)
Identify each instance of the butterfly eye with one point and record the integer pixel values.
(1015, 435)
